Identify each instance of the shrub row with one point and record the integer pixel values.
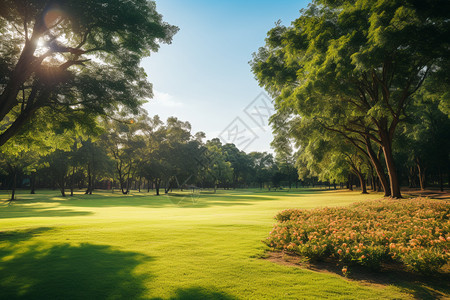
(414, 232)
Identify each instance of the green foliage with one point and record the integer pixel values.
(352, 68)
(123, 142)
(217, 169)
(240, 163)
(424, 141)
(263, 165)
(75, 56)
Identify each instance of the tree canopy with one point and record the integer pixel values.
(354, 66)
(78, 57)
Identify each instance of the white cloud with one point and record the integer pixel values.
(164, 99)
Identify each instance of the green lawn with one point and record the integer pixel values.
(110, 246)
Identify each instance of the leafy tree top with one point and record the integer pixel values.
(362, 57)
(75, 55)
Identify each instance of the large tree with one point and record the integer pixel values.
(264, 167)
(124, 141)
(74, 55)
(240, 163)
(217, 169)
(353, 66)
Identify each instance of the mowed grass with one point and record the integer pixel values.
(182, 246)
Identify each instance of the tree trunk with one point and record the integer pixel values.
(23, 69)
(378, 168)
(89, 179)
(168, 187)
(13, 192)
(33, 183)
(61, 185)
(128, 182)
(124, 186)
(386, 144)
(123, 183)
(373, 184)
(392, 171)
(421, 170)
(72, 181)
(411, 176)
(92, 184)
(157, 182)
(362, 181)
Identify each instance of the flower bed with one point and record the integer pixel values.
(414, 232)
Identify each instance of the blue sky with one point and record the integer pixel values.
(204, 77)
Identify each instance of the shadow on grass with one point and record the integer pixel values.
(22, 234)
(65, 271)
(200, 293)
(204, 199)
(86, 271)
(36, 213)
(291, 191)
(435, 286)
(106, 199)
(16, 210)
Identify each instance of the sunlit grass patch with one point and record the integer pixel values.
(142, 246)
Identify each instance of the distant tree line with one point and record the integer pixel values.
(137, 152)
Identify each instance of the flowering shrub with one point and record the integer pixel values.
(413, 232)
